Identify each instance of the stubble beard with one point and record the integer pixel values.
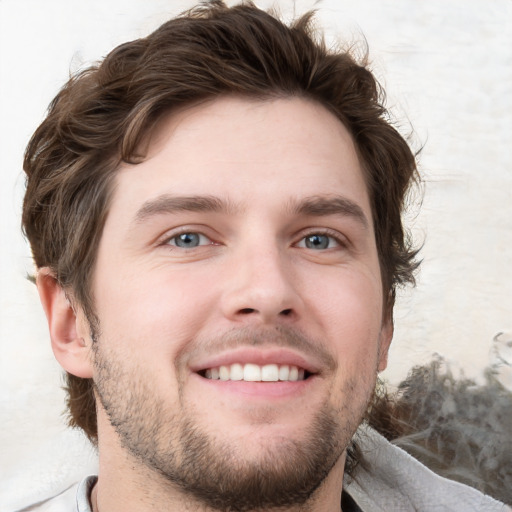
(213, 472)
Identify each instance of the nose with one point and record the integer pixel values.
(261, 288)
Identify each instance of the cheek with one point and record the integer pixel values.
(152, 308)
(349, 309)
(352, 296)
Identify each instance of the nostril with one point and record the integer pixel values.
(286, 312)
(246, 311)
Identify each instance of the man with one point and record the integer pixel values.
(214, 212)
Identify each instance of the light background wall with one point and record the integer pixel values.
(447, 68)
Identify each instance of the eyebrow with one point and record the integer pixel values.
(319, 206)
(315, 206)
(168, 204)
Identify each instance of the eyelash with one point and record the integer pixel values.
(334, 235)
(167, 241)
(331, 234)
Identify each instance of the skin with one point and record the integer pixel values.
(254, 290)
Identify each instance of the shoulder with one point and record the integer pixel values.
(73, 499)
(390, 479)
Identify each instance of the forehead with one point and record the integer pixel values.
(243, 151)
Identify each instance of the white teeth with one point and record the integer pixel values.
(255, 373)
(284, 372)
(252, 373)
(224, 373)
(270, 373)
(237, 372)
(294, 373)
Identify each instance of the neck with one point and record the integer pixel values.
(316, 504)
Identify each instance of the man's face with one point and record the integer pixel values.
(239, 299)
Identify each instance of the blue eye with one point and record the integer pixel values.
(318, 241)
(189, 240)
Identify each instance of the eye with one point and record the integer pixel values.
(189, 240)
(318, 241)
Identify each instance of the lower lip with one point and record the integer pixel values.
(259, 389)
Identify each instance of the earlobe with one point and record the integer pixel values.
(70, 347)
(386, 335)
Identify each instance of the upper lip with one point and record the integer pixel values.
(259, 356)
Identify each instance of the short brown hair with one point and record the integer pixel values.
(102, 115)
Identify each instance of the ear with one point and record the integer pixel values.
(386, 335)
(70, 341)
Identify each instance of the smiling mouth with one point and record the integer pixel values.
(256, 373)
